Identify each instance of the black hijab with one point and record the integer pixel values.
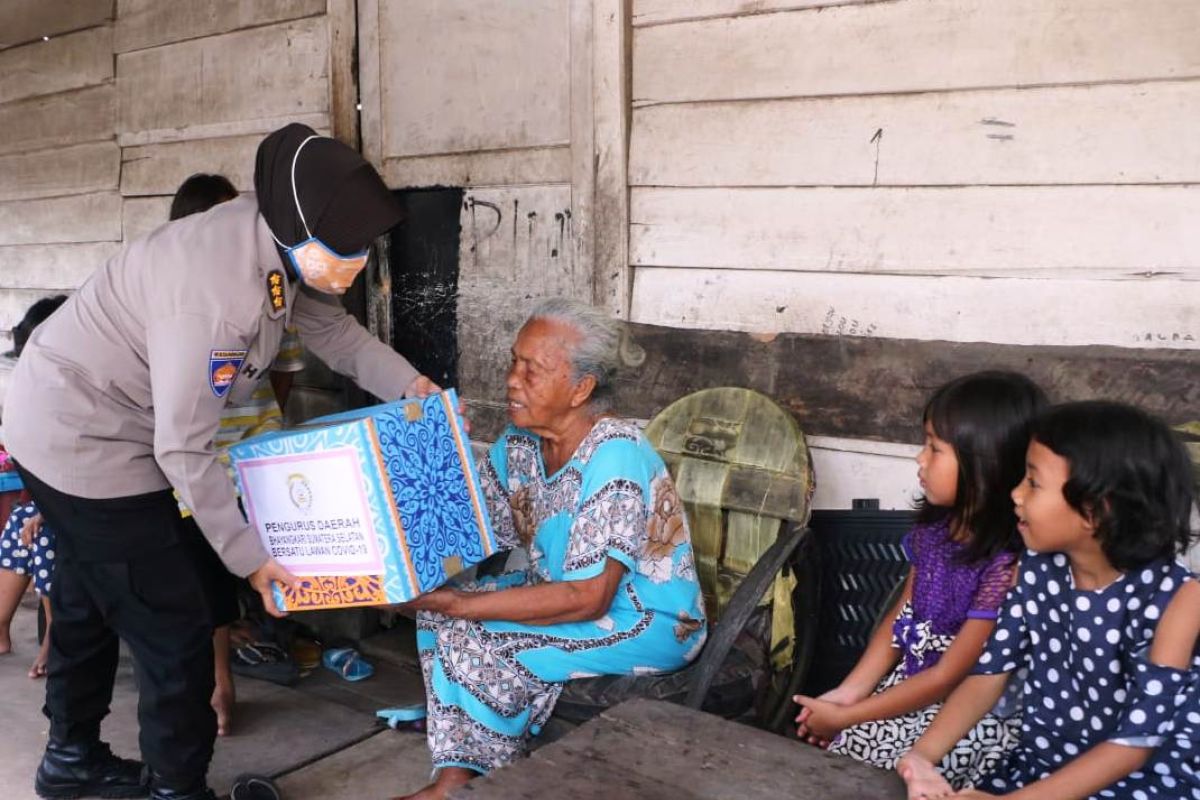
(345, 202)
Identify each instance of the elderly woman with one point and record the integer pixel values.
(611, 584)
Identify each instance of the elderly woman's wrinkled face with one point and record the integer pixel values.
(540, 390)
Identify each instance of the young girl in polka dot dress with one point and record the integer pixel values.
(26, 552)
(963, 552)
(1104, 511)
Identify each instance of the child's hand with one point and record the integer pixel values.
(30, 528)
(841, 695)
(824, 719)
(975, 794)
(923, 780)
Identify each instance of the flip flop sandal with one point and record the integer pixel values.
(347, 663)
(407, 718)
(264, 661)
(254, 787)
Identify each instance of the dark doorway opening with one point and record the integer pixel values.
(422, 265)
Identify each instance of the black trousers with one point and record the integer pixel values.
(126, 568)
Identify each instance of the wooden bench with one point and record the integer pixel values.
(653, 750)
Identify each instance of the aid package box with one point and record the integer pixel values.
(368, 507)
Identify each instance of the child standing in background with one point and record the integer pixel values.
(26, 546)
(963, 553)
(1104, 512)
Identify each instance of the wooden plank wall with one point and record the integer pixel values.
(107, 105)
(60, 207)
(507, 118)
(917, 172)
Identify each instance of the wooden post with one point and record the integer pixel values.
(611, 35)
(343, 90)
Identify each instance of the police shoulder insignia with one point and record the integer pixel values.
(276, 291)
(223, 366)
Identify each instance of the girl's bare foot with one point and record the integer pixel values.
(5, 642)
(448, 779)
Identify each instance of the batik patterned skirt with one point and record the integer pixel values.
(491, 686)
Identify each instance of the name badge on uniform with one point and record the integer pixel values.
(276, 293)
(223, 366)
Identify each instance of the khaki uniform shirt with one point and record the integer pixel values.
(121, 391)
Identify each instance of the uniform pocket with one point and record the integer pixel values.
(167, 582)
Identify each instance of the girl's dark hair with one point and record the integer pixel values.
(1130, 475)
(986, 418)
(38, 313)
(199, 193)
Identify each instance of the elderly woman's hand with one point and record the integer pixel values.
(442, 601)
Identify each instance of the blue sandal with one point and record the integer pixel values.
(347, 663)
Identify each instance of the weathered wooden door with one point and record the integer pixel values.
(495, 98)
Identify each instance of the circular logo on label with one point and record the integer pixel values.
(300, 492)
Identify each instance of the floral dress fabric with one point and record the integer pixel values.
(492, 685)
(1088, 680)
(946, 593)
(37, 560)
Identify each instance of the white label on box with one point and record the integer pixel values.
(312, 513)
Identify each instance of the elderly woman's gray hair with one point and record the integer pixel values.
(598, 351)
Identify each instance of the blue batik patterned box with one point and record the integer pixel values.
(369, 507)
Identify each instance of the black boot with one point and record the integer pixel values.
(161, 789)
(87, 769)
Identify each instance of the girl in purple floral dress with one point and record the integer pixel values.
(963, 555)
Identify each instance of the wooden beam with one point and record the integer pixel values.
(86, 115)
(149, 23)
(343, 86)
(63, 63)
(964, 230)
(79, 169)
(583, 136)
(370, 84)
(24, 21)
(611, 68)
(871, 388)
(916, 46)
(665, 12)
(1154, 312)
(318, 121)
(52, 266)
(158, 169)
(80, 218)
(278, 71)
(519, 167)
(1115, 134)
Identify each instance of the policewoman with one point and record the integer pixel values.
(115, 400)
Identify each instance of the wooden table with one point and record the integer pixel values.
(652, 750)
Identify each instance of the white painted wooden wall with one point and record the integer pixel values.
(1021, 172)
(105, 107)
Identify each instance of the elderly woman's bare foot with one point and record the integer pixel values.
(448, 779)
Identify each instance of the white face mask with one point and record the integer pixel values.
(314, 261)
